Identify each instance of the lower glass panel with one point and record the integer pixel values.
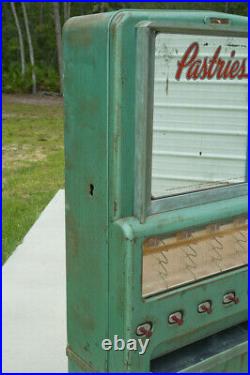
(188, 256)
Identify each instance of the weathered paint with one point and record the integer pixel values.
(86, 153)
(104, 236)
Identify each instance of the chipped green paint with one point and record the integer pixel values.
(103, 235)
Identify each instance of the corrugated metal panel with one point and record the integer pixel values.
(199, 127)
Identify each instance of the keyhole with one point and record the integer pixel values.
(91, 189)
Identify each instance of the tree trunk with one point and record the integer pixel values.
(41, 14)
(58, 41)
(66, 10)
(104, 7)
(20, 36)
(31, 51)
(101, 7)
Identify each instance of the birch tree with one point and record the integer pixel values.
(66, 10)
(20, 37)
(31, 51)
(100, 7)
(58, 31)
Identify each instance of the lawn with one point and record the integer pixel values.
(33, 163)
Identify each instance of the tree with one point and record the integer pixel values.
(31, 51)
(102, 7)
(66, 10)
(47, 46)
(58, 31)
(20, 37)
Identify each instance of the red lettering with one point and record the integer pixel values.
(243, 69)
(194, 70)
(220, 65)
(208, 68)
(193, 49)
(212, 65)
(226, 73)
(234, 69)
(204, 69)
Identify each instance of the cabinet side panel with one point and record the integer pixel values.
(86, 150)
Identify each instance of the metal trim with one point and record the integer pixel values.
(144, 206)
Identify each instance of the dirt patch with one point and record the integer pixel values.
(38, 99)
(6, 116)
(15, 155)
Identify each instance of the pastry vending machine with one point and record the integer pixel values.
(156, 126)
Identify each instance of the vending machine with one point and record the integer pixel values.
(156, 124)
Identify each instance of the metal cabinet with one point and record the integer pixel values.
(156, 189)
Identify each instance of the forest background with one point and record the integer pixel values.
(32, 45)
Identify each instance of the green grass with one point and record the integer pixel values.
(33, 165)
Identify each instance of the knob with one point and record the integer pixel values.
(230, 297)
(144, 329)
(176, 318)
(205, 307)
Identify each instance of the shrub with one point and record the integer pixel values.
(13, 82)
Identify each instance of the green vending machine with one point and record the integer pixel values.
(156, 106)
